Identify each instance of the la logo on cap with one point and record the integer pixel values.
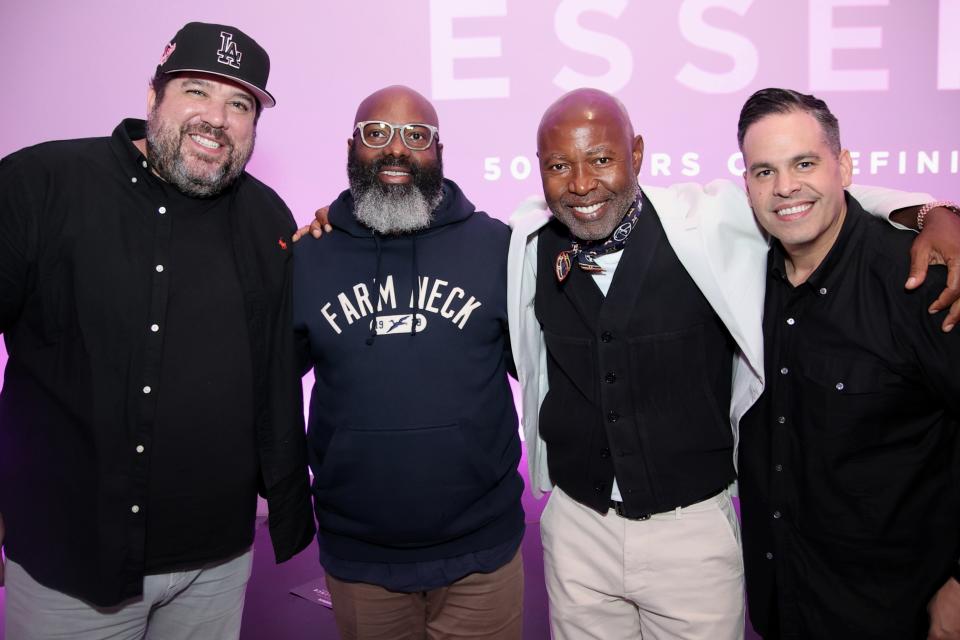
(228, 54)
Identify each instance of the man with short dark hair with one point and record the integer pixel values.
(151, 388)
(402, 313)
(635, 318)
(848, 460)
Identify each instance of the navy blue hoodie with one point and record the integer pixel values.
(412, 431)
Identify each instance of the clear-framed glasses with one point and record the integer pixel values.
(377, 134)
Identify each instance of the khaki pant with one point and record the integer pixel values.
(678, 575)
(480, 606)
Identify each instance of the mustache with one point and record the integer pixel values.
(207, 130)
(395, 162)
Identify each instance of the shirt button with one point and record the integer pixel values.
(769, 555)
(791, 321)
(144, 164)
(784, 371)
(147, 389)
(776, 515)
(782, 419)
(839, 386)
(162, 210)
(611, 378)
(139, 448)
(606, 336)
(154, 328)
(778, 467)
(613, 416)
(133, 179)
(823, 291)
(159, 268)
(135, 508)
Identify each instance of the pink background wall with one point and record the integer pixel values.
(890, 69)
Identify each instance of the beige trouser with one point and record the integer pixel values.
(480, 606)
(677, 575)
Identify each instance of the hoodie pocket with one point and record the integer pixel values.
(400, 486)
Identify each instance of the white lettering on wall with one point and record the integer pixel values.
(824, 39)
(735, 164)
(659, 164)
(445, 49)
(948, 47)
(614, 51)
(746, 60)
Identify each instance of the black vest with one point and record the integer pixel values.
(639, 380)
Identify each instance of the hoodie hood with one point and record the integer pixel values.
(453, 209)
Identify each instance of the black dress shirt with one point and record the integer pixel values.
(202, 487)
(88, 279)
(847, 462)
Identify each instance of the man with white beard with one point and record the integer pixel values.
(150, 391)
(412, 432)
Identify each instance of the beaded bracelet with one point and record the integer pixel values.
(925, 209)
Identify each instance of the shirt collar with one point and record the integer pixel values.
(122, 141)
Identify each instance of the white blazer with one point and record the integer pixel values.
(714, 234)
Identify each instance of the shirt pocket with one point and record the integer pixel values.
(845, 398)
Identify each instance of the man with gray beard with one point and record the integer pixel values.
(394, 207)
(151, 390)
(412, 432)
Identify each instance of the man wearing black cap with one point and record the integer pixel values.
(150, 391)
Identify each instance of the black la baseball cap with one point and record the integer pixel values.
(223, 51)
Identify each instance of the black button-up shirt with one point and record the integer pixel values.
(87, 310)
(848, 488)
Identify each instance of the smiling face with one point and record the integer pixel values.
(395, 189)
(396, 105)
(796, 183)
(200, 135)
(589, 160)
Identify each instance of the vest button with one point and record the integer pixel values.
(606, 336)
(599, 488)
(604, 453)
(613, 416)
(610, 378)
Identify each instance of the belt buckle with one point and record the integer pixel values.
(620, 510)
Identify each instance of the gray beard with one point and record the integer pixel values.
(394, 209)
(166, 158)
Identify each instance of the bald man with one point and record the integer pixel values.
(635, 316)
(412, 434)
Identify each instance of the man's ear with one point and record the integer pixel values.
(637, 154)
(846, 168)
(151, 99)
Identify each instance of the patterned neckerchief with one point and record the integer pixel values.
(585, 253)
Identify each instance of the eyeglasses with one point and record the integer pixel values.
(376, 134)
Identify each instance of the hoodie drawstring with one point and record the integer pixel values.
(376, 278)
(415, 278)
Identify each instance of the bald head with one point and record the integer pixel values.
(397, 104)
(585, 106)
(395, 170)
(589, 161)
